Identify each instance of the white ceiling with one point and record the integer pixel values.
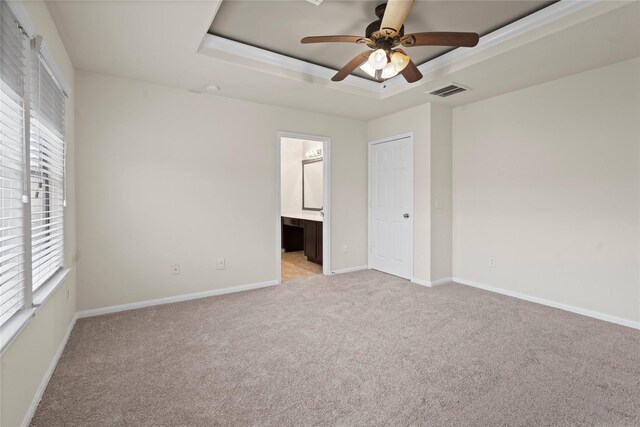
(160, 42)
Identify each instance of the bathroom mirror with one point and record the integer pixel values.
(312, 185)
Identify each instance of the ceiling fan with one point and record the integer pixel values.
(384, 36)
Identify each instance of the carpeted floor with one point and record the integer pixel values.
(362, 348)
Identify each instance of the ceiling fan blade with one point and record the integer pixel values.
(440, 39)
(411, 72)
(395, 13)
(335, 39)
(357, 61)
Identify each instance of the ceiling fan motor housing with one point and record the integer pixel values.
(375, 25)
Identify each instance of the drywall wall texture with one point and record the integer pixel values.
(291, 177)
(167, 177)
(547, 181)
(431, 128)
(441, 212)
(24, 363)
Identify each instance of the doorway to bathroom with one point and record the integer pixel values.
(303, 228)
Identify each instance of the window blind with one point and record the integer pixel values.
(47, 109)
(12, 166)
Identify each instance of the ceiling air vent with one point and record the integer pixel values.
(448, 90)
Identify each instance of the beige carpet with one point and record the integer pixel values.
(362, 348)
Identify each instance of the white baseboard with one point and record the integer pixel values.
(421, 282)
(431, 284)
(442, 281)
(47, 375)
(561, 306)
(172, 299)
(350, 269)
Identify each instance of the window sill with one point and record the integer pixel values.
(12, 328)
(47, 289)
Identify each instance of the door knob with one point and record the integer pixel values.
(406, 215)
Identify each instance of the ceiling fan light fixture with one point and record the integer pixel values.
(378, 59)
(367, 68)
(386, 34)
(389, 71)
(399, 60)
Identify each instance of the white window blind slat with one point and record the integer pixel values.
(45, 261)
(10, 295)
(43, 258)
(9, 266)
(47, 236)
(11, 152)
(7, 239)
(32, 168)
(11, 116)
(47, 111)
(11, 253)
(11, 139)
(9, 228)
(13, 277)
(12, 165)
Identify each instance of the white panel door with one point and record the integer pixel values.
(391, 207)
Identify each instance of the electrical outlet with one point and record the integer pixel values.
(438, 203)
(492, 261)
(221, 264)
(175, 269)
(68, 295)
(345, 249)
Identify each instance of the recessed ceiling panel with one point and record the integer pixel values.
(278, 26)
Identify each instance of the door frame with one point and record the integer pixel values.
(408, 135)
(326, 183)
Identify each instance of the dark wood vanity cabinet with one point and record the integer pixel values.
(313, 241)
(303, 234)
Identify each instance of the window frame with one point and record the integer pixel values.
(34, 299)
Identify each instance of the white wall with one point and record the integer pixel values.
(547, 180)
(291, 177)
(292, 154)
(431, 128)
(441, 192)
(24, 363)
(167, 176)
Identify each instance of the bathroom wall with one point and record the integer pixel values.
(293, 152)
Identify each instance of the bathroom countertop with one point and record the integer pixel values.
(316, 216)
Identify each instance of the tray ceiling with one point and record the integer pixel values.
(114, 38)
(278, 25)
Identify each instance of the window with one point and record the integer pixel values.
(12, 166)
(47, 171)
(31, 226)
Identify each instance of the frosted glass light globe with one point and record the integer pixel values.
(399, 60)
(367, 68)
(378, 59)
(389, 71)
